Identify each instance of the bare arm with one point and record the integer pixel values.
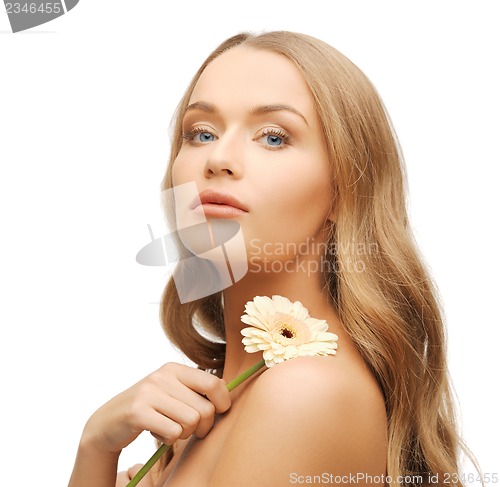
(94, 467)
(174, 402)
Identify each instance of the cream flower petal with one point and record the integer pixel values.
(256, 323)
(316, 325)
(291, 352)
(281, 304)
(255, 340)
(268, 355)
(325, 336)
(251, 331)
(253, 316)
(276, 347)
(263, 305)
(299, 311)
(318, 349)
(247, 319)
(284, 305)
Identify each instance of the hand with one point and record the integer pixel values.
(169, 403)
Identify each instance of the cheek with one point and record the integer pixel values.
(185, 167)
(178, 172)
(298, 206)
(305, 196)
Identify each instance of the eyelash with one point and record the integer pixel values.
(189, 134)
(287, 140)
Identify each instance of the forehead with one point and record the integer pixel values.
(247, 77)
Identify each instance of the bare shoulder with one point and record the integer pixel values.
(331, 396)
(308, 379)
(307, 416)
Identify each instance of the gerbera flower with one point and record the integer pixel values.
(284, 330)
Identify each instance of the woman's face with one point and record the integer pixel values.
(251, 132)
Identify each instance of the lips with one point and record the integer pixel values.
(218, 204)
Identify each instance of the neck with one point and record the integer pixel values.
(299, 285)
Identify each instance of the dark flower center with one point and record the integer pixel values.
(286, 332)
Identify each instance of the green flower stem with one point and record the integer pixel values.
(163, 448)
(147, 466)
(245, 375)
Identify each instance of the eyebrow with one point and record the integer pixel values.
(256, 111)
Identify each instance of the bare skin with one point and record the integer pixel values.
(307, 416)
(168, 403)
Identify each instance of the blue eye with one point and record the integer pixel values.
(204, 137)
(274, 140)
(198, 135)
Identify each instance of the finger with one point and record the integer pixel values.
(206, 410)
(122, 479)
(156, 437)
(208, 385)
(197, 416)
(162, 427)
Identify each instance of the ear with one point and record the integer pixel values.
(332, 217)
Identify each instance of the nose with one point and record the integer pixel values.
(224, 157)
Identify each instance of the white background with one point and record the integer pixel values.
(85, 105)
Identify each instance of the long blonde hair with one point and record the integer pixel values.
(390, 309)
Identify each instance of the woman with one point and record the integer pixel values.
(293, 139)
